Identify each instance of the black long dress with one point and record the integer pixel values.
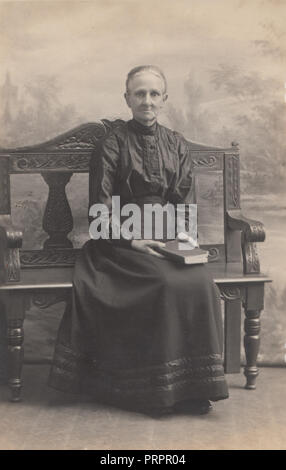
(140, 330)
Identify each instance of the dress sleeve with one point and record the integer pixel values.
(104, 180)
(184, 190)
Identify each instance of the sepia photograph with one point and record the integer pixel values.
(142, 218)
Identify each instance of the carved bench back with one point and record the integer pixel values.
(216, 175)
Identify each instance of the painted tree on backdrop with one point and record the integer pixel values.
(33, 113)
(247, 107)
(259, 124)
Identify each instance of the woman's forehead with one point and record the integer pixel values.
(146, 79)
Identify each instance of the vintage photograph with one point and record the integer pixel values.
(142, 218)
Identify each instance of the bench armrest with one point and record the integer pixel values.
(10, 241)
(252, 231)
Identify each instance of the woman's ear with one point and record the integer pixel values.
(127, 99)
(165, 97)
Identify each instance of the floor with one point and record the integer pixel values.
(47, 419)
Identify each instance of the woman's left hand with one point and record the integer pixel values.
(147, 246)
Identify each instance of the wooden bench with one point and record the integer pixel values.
(44, 277)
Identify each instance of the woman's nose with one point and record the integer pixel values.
(147, 98)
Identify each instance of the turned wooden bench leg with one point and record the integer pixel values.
(15, 305)
(253, 305)
(15, 357)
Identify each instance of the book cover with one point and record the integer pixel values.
(183, 252)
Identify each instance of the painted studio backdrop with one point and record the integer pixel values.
(64, 64)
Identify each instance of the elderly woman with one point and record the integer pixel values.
(141, 330)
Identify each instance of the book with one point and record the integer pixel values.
(175, 250)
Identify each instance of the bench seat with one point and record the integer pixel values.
(61, 278)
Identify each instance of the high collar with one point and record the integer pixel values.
(141, 129)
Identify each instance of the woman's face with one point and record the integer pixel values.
(145, 97)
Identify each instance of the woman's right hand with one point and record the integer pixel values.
(146, 246)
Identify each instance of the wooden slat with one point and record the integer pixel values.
(77, 162)
(48, 278)
(5, 204)
(232, 328)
